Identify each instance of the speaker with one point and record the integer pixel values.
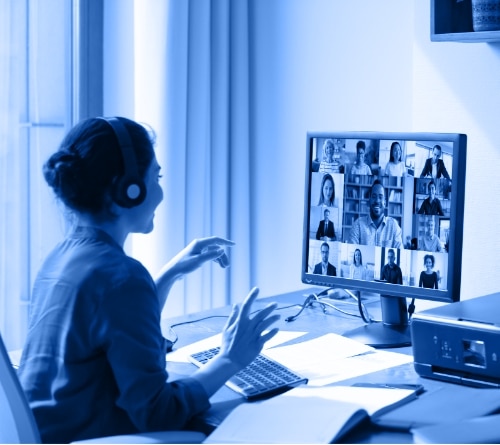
(128, 190)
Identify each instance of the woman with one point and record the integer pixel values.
(94, 360)
(360, 167)
(395, 167)
(330, 163)
(327, 191)
(356, 269)
(327, 164)
(428, 277)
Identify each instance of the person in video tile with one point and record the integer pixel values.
(376, 229)
(326, 230)
(357, 269)
(431, 204)
(430, 242)
(428, 277)
(434, 167)
(325, 267)
(360, 167)
(391, 272)
(327, 191)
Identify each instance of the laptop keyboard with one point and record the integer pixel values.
(263, 377)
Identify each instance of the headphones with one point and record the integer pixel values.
(128, 190)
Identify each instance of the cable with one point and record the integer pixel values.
(411, 308)
(306, 303)
(176, 337)
(315, 298)
(361, 307)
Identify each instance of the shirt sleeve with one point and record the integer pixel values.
(129, 329)
(355, 234)
(398, 238)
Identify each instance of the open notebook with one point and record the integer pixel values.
(307, 414)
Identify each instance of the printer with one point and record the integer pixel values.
(459, 342)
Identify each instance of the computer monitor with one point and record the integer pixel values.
(383, 213)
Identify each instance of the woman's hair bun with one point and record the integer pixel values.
(61, 172)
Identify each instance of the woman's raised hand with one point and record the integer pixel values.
(244, 335)
(197, 253)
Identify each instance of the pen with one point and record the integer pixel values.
(419, 389)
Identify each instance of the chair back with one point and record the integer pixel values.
(17, 423)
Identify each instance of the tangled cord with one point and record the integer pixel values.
(317, 299)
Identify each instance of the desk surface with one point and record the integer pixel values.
(315, 322)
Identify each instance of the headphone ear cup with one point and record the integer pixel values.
(128, 191)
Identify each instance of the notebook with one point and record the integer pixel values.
(307, 414)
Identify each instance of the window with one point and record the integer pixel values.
(39, 55)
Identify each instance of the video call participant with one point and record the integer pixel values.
(327, 191)
(326, 229)
(94, 362)
(360, 167)
(328, 164)
(357, 270)
(428, 277)
(430, 242)
(376, 229)
(434, 166)
(431, 204)
(325, 267)
(395, 166)
(391, 272)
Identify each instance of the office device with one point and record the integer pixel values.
(307, 415)
(422, 200)
(459, 342)
(263, 377)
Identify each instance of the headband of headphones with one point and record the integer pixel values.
(129, 189)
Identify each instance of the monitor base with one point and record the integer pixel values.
(380, 335)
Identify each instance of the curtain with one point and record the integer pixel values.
(14, 285)
(193, 86)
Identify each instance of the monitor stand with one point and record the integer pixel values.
(392, 332)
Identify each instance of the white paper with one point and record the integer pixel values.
(181, 355)
(314, 358)
(350, 367)
(332, 358)
(372, 399)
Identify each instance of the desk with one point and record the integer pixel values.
(204, 324)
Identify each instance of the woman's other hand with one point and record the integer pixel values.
(244, 335)
(242, 340)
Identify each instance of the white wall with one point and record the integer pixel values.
(321, 65)
(456, 88)
(367, 65)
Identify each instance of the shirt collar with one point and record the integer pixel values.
(384, 220)
(85, 232)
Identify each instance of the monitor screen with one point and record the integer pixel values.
(383, 213)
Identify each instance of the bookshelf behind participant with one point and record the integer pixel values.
(397, 201)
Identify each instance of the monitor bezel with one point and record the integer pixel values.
(452, 293)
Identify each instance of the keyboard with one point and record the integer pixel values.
(262, 378)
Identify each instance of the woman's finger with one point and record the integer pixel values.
(248, 301)
(222, 260)
(217, 241)
(268, 335)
